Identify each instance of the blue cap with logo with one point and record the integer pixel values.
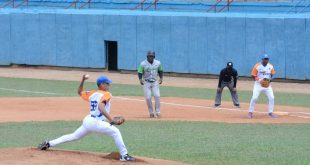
(103, 79)
(265, 56)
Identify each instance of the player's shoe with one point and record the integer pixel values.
(237, 105)
(158, 115)
(44, 145)
(271, 115)
(250, 115)
(126, 157)
(152, 115)
(217, 105)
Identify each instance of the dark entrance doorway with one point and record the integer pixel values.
(111, 55)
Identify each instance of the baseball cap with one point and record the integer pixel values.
(103, 79)
(265, 56)
(230, 64)
(151, 53)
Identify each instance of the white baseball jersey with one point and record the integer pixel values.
(94, 98)
(260, 71)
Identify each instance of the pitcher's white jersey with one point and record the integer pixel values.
(94, 98)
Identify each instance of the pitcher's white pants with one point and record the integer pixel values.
(256, 92)
(90, 125)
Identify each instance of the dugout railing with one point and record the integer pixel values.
(14, 3)
(299, 6)
(218, 5)
(149, 5)
(74, 4)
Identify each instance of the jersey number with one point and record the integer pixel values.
(93, 105)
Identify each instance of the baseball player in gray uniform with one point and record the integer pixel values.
(148, 73)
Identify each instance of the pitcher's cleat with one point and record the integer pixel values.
(126, 157)
(44, 145)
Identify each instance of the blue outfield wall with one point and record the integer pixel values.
(308, 50)
(185, 42)
(5, 39)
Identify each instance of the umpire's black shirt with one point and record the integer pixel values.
(226, 75)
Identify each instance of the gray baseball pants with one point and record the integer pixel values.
(230, 86)
(149, 88)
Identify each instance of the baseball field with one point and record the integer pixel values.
(42, 104)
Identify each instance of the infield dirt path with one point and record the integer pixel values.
(73, 108)
(134, 108)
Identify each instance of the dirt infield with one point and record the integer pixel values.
(32, 156)
(134, 108)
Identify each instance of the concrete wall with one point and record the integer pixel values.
(198, 43)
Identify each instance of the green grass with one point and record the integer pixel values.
(191, 142)
(68, 88)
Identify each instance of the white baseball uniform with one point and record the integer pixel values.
(95, 121)
(260, 72)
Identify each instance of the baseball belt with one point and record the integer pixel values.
(94, 116)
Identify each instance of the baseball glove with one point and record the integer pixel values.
(265, 83)
(118, 120)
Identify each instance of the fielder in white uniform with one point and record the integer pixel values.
(150, 69)
(99, 106)
(262, 70)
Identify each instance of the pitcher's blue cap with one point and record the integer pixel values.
(103, 79)
(265, 56)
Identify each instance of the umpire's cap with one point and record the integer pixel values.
(103, 79)
(230, 64)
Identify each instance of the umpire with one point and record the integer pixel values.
(228, 77)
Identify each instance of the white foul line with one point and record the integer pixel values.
(209, 107)
(305, 113)
(25, 91)
(167, 103)
(181, 105)
(300, 116)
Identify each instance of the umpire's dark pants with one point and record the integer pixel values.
(234, 95)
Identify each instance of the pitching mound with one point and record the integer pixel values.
(30, 156)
